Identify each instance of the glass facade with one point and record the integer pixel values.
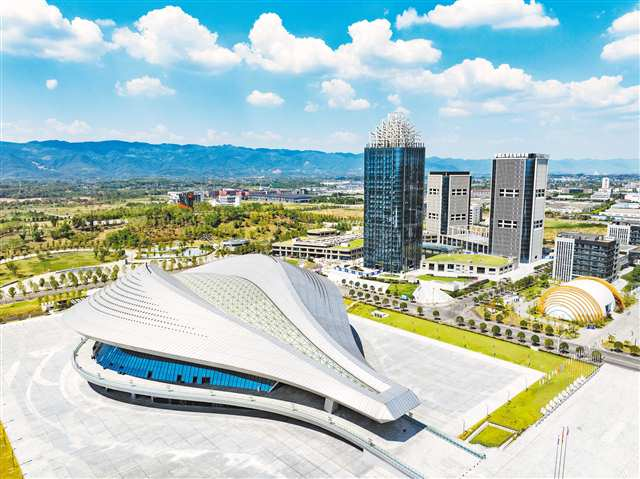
(393, 207)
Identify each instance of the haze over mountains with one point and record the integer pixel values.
(60, 160)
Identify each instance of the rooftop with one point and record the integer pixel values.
(474, 259)
(395, 131)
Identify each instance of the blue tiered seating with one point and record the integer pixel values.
(165, 370)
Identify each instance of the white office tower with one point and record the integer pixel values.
(563, 261)
(476, 214)
(619, 231)
(605, 183)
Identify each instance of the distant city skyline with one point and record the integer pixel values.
(475, 77)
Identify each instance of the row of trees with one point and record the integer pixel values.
(69, 279)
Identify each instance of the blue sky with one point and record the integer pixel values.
(475, 76)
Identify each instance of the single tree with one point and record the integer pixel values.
(472, 324)
(12, 292)
(548, 343)
(563, 347)
(508, 333)
(483, 327)
(580, 351)
(420, 310)
(521, 336)
(548, 330)
(535, 340)
(524, 324)
(596, 356)
(500, 318)
(617, 346)
(460, 320)
(495, 330)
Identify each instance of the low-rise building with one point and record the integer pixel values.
(278, 196)
(467, 264)
(322, 243)
(579, 254)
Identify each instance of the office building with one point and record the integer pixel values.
(185, 199)
(625, 233)
(518, 188)
(448, 202)
(475, 213)
(393, 196)
(578, 254)
(247, 331)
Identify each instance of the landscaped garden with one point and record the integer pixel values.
(19, 310)
(443, 279)
(25, 268)
(491, 436)
(486, 260)
(522, 410)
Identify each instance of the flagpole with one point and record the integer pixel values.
(564, 460)
(555, 459)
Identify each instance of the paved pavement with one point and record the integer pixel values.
(60, 427)
(603, 441)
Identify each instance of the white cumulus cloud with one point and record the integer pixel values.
(311, 107)
(472, 13)
(35, 28)
(169, 36)
(477, 86)
(273, 48)
(341, 94)
(143, 86)
(268, 99)
(626, 30)
(51, 84)
(75, 128)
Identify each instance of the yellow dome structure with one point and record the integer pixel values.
(585, 299)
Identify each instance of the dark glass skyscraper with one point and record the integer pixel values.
(393, 196)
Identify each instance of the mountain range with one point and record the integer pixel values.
(61, 160)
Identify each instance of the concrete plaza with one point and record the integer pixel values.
(60, 427)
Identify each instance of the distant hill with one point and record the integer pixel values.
(60, 160)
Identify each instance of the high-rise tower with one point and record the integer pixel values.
(448, 199)
(518, 188)
(393, 196)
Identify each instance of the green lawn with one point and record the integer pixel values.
(34, 266)
(21, 309)
(522, 410)
(353, 244)
(491, 437)
(8, 464)
(402, 288)
(444, 279)
(553, 226)
(474, 259)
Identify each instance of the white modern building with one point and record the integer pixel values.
(247, 330)
(619, 231)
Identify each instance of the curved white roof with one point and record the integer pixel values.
(252, 314)
(596, 290)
